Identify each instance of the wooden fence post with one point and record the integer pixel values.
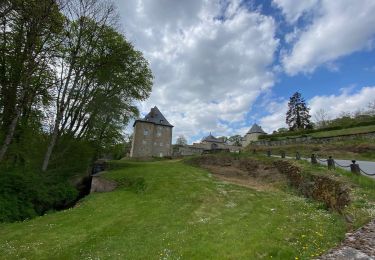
(313, 159)
(331, 163)
(354, 168)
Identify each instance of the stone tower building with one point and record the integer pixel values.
(152, 136)
(253, 134)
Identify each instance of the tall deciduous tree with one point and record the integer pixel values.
(100, 75)
(181, 140)
(297, 116)
(28, 30)
(236, 140)
(321, 118)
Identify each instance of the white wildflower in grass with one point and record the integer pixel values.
(203, 220)
(230, 204)
(371, 212)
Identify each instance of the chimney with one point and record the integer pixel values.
(152, 112)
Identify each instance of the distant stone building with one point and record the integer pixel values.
(212, 142)
(152, 136)
(208, 143)
(252, 135)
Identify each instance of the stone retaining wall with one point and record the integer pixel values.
(312, 140)
(333, 193)
(100, 184)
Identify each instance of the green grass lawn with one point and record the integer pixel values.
(176, 212)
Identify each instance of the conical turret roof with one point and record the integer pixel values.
(256, 129)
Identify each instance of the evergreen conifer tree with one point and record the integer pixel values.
(298, 116)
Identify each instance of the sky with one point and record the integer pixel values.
(220, 66)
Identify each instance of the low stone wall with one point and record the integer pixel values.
(197, 149)
(333, 193)
(100, 184)
(189, 150)
(312, 140)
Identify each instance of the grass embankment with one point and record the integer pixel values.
(347, 131)
(360, 149)
(169, 210)
(320, 133)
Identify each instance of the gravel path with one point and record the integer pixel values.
(359, 245)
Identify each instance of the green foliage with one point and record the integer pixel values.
(69, 81)
(24, 194)
(297, 116)
(236, 139)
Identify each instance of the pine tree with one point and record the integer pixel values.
(298, 116)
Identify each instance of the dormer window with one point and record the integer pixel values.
(161, 120)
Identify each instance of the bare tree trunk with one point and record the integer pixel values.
(52, 144)
(9, 136)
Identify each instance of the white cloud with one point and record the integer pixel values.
(334, 105)
(293, 9)
(346, 101)
(210, 60)
(338, 28)
(276, 117)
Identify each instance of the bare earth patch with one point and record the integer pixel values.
(261, 178)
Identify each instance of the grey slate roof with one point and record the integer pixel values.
(154, 117)
(256, 129)
(212, 138)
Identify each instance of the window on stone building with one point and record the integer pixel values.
(158, 131)
(145, 132)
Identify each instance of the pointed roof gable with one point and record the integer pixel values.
(154, 117)
(212, 138)
(256, 129)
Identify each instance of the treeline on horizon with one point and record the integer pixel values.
(323, 122)
(69, 81)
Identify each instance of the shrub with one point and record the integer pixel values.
(24, 195)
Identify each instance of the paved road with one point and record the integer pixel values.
(366, 166)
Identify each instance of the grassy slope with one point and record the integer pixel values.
(346, 131)
(183, 213)
(353, 130)
(361, 149)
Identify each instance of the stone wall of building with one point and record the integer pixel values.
(208, 146)
(248, 138)
(199, 148)
(312, 140)
(189, 150)
(151, 140)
